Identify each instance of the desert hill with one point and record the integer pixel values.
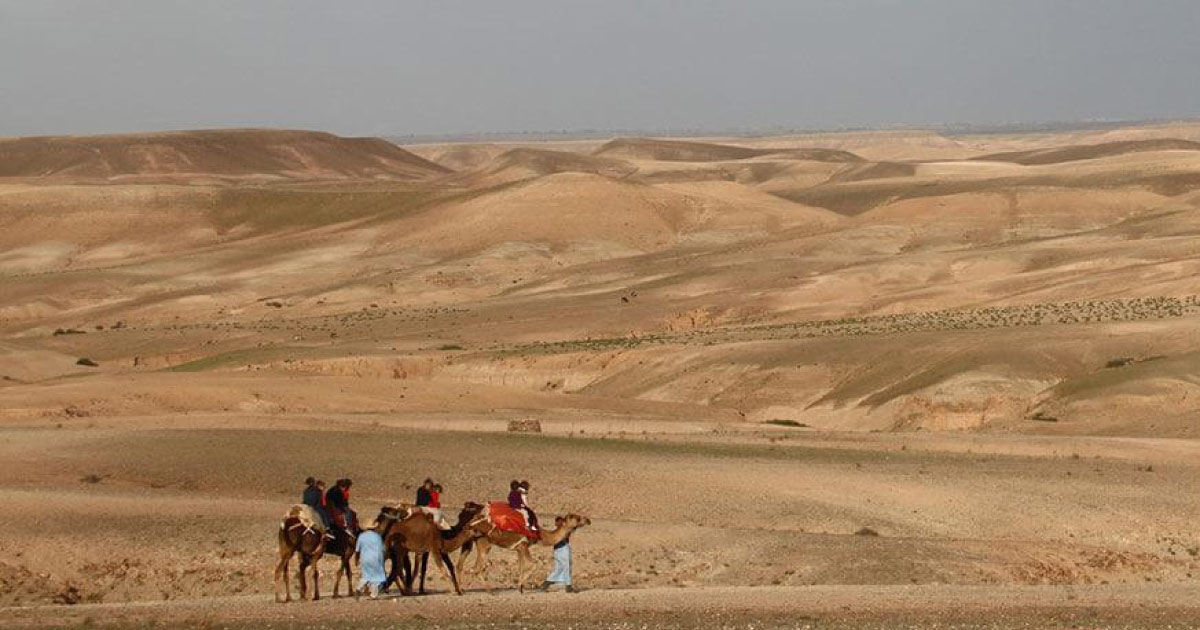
(694, 151)
(689, 253)
(674, 150)
(1090, 152)
(992, 364)
(524, 163)
(219, 153)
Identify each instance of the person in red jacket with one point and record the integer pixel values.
(435, 496)
(337, 501)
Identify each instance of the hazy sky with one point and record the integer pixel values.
(438, 66)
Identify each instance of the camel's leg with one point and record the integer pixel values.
(408, 573)
(481, 549)
(481, 565)
(520, 569)
(316, 575)
(403, 571)
(346, 570)
(445, 563)
(337, 577)
(281, 575)
(304, 561)
(424, 567)
(463, 554)
(525, 566)
(394, 573)
(337, 580)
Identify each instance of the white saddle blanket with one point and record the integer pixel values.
(307, 515)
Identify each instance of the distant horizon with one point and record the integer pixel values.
(952, 129)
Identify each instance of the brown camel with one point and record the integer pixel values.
(470, 510)
(419, 535)
(297, 537)
(489, 536)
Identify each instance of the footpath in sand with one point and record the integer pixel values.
(865, 607)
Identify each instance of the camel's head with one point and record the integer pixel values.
(472, 515)
(575, 521)
(391, 514)
(469, 512)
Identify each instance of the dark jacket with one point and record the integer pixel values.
(516, 500)
(335, 498)
(423, 497)
(312, 497)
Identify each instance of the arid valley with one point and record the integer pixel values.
(859, 379)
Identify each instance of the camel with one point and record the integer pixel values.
(418, 534)
(489, 536)
(295, 536)
(470, 510)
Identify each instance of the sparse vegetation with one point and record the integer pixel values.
(1041, 314)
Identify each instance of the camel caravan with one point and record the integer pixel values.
(405, 535)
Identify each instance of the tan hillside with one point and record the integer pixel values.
(674, 150)
(220, 153)
(888, 371)
(1090, 152)
(522, 163)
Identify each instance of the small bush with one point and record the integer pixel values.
(69, 595)
(450, 346)
(84, 361)
(1042, 417)
(92, 478)
(787, 423)
(866, 531)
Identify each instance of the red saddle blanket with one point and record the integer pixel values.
(507, 519)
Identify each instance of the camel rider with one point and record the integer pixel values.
(429, 502)
(425, 492)
(518, 499)
(337, 501)
(314, 497)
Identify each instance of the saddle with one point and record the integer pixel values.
(307, 517)
(508, 519)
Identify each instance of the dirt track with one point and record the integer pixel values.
(943, 606)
